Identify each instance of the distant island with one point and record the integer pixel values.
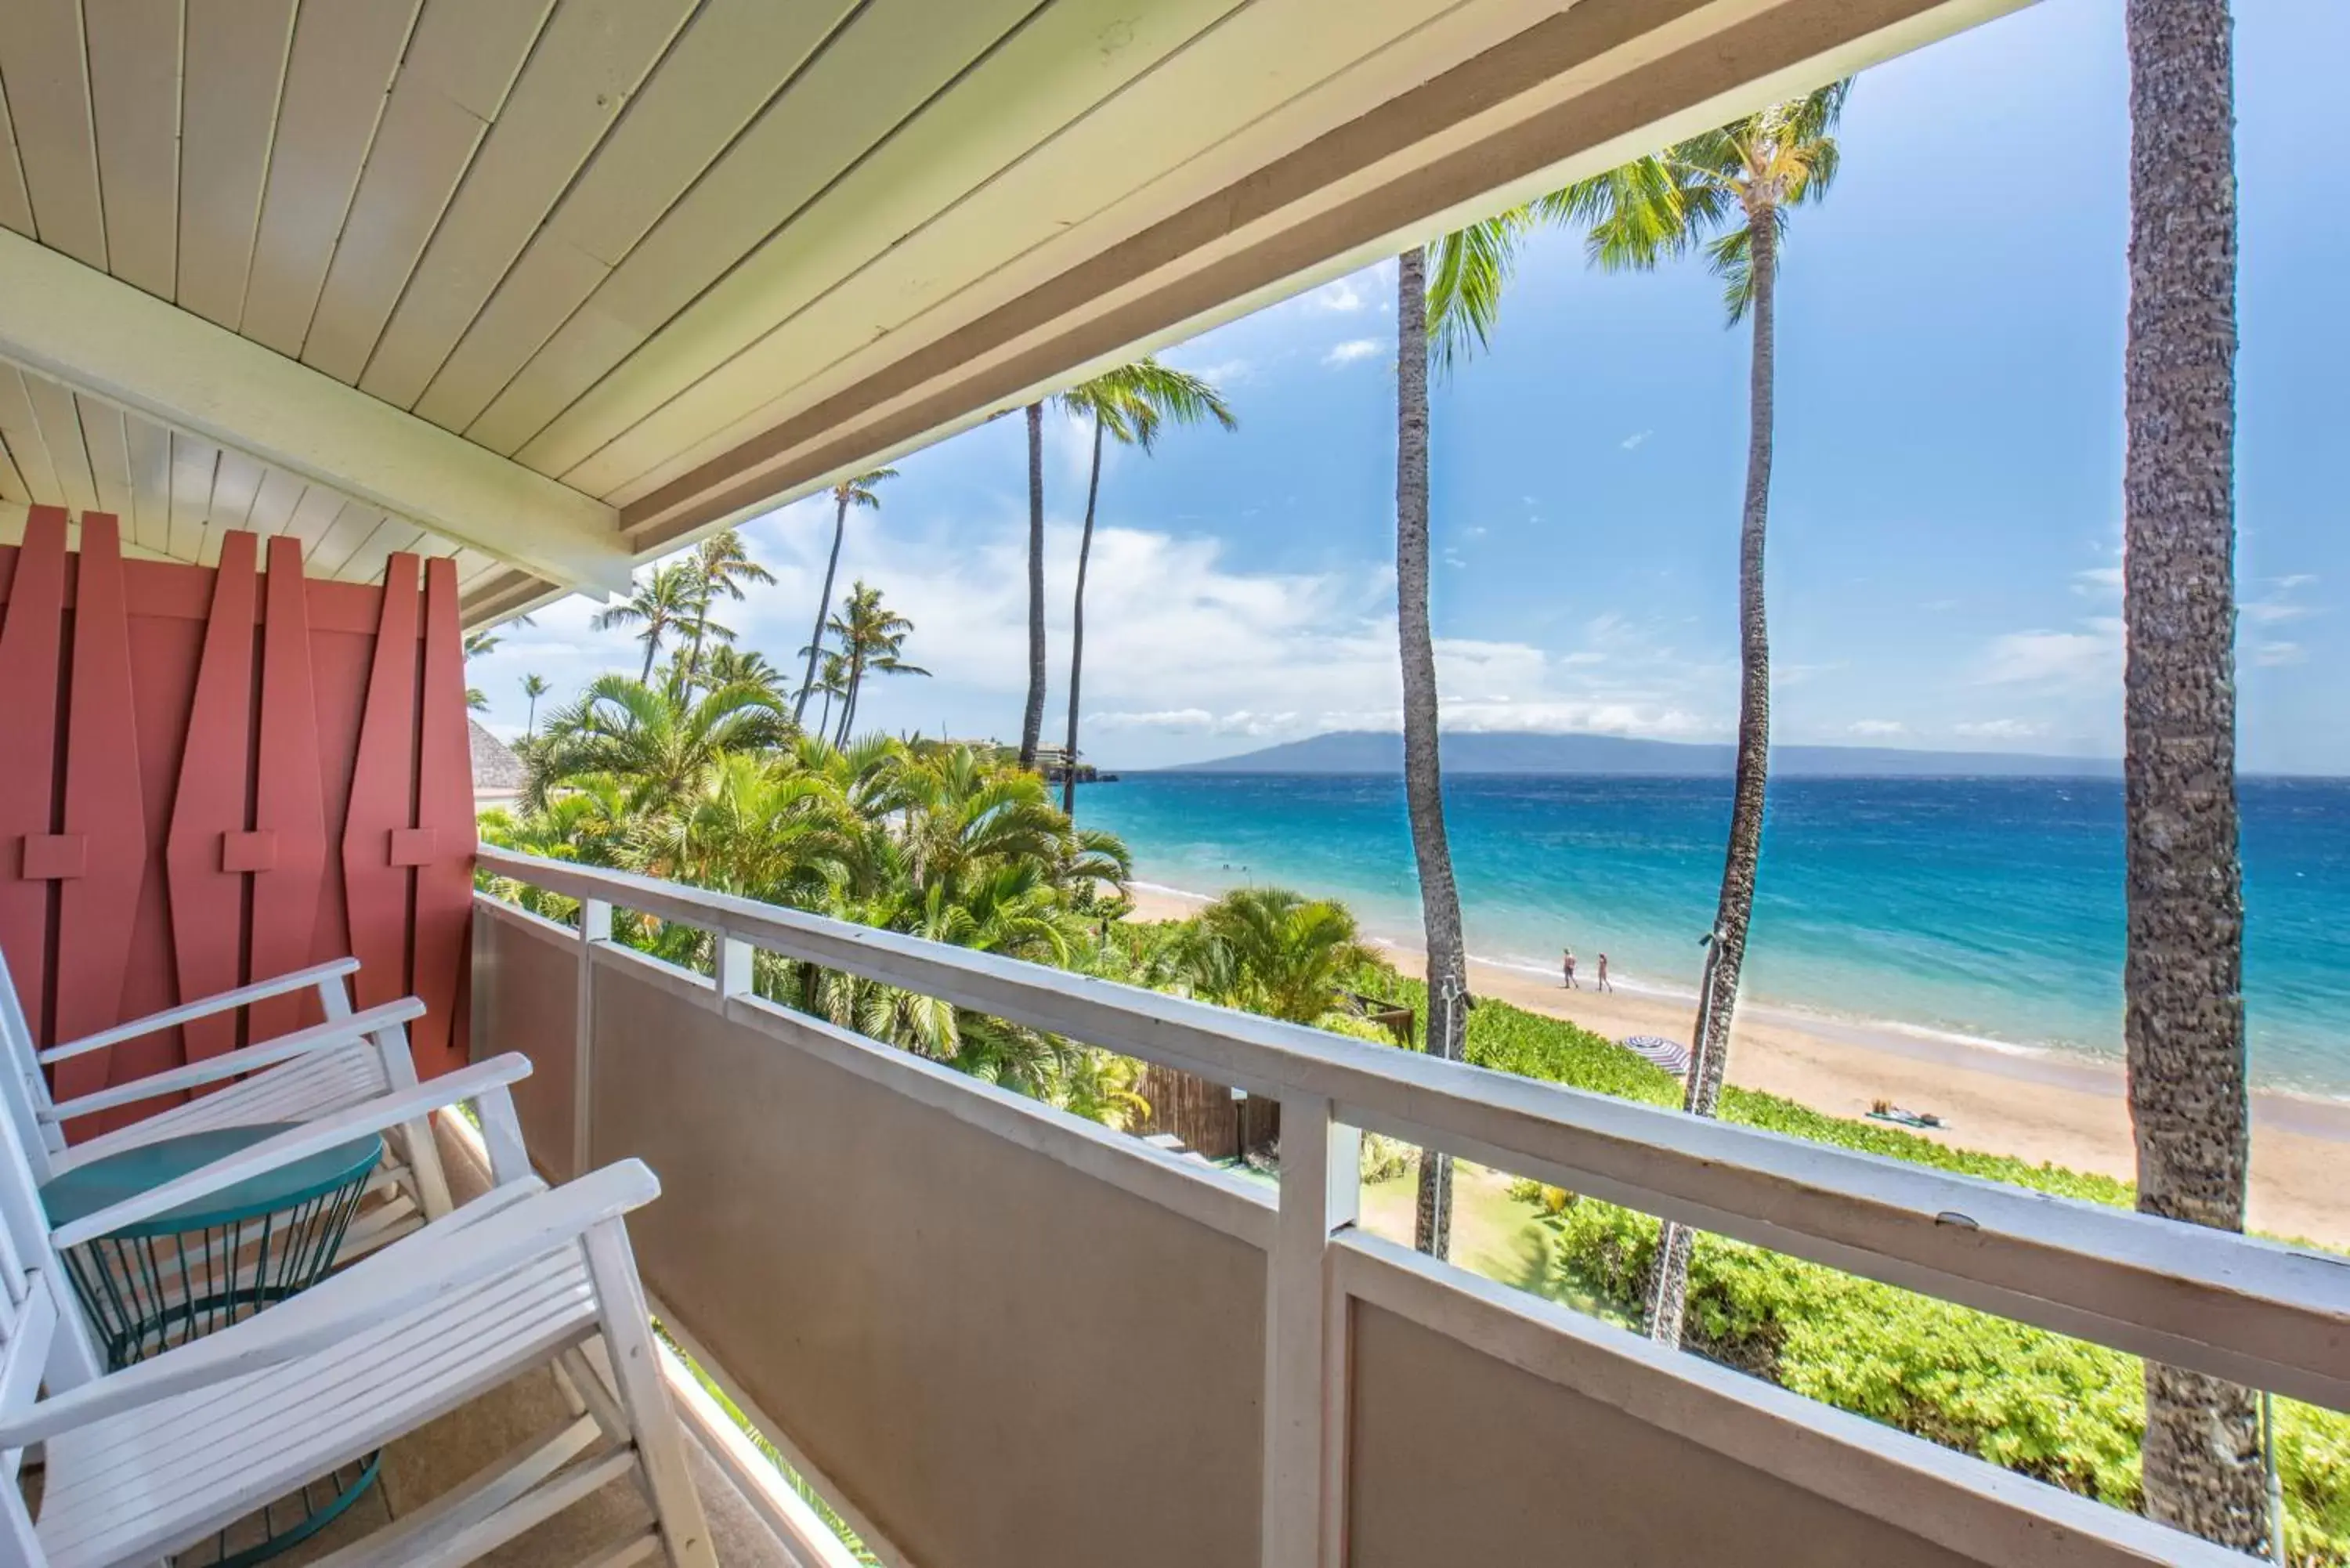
(1525, 752)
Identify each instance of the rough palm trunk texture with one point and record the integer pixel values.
(2182, 977)
(1032, 717)
(823, 607)
(1718, 1000)
(1423, 785)
(1077, 627)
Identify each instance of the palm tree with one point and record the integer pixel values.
(872, 637)
(1129, 403)
(728, 665)
(1423, 785)
(656, 745)
(534, 687)
(1032, 717)
(720, 566)
(2182, 977)
(1728, 191)
(855, 490)
(1273, 951)
(832, 679)
(661, 603)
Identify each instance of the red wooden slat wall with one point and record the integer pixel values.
(208, 776)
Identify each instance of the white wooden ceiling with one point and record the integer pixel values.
(663, 250)
(176, 495)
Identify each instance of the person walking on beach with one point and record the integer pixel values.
(1567, 962)
(1603, 974)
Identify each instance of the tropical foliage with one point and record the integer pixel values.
(943, 841)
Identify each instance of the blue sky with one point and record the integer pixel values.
(1945, 527)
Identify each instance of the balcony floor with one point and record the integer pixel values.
(421, 1466)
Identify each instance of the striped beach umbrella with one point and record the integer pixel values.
(1657, 1051)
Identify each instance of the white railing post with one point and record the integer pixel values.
(733, 970)
(595, 931)
(1305, 1374)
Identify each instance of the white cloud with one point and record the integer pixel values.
(1632, 442)
(2068, 659)
(1352, 349)
(2295, 580)
(2098, 582)
(1877, 727)
(1186, 653)
(1344, 294)
(2000, 730)
(2275, 653)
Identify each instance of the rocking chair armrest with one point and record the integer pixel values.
(300, 1142)
(333, 1034)
(374, 1291)
(204, 1007)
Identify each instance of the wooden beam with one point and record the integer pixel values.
(91, 332)
(1574, 93)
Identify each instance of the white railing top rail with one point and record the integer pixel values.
(2251, 1310)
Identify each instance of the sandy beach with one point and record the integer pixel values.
(2038, 1105)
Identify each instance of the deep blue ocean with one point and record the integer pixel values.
(1989, 909)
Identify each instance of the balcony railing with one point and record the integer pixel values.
(995, 1334)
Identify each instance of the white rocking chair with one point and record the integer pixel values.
(147, 1461)
(349, 1060)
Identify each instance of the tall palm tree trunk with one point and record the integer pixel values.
(1734, 906)
(2182, 977)
(1423, 784)
(652, 646)
(1032, 717)
(1077, 627)
(848, 699)
(823, 609)
(823, 720)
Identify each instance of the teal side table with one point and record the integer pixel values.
(199, 1268)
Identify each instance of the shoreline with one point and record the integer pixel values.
(2033, 1104)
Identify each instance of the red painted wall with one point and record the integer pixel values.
(210, 776)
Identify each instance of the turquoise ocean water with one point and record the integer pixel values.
(1985, 909)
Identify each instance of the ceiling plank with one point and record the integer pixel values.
(234, 489)
(459, 65)
(723, 70)
(195, 463)
(61, 432)
(350, 529)
(591, 57)
(22, 430)
(110, 455)
(314, 513)
(134, 86)
(12, 483)
(104, 337)
(48, 99)
(336, 77)
(1037, 142)
(150, 447)
(879, 68)
(274, 502)
(15, 206)
(365, 564)
(1577, 92)
(237, 53)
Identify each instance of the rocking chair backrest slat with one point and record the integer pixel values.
(23, 1088)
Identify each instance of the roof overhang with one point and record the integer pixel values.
(556, 287)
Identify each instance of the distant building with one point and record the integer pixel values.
(497, 771)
